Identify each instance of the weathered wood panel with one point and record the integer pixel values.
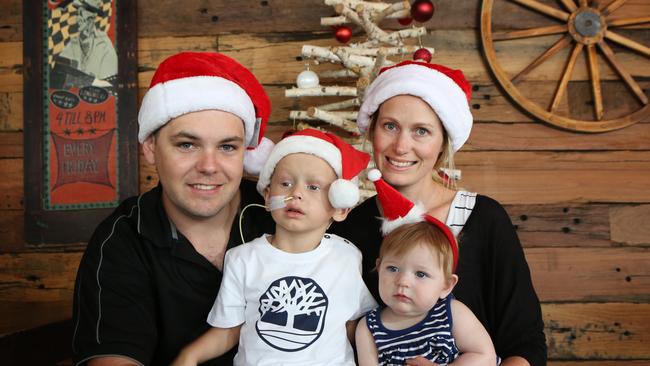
(11, 231)
(597, 331)
(11, 184)
(11, 111)
(590, 274)
(11, 145)
(555, 177)
(201, 17)
(630, 224)
(561, 226)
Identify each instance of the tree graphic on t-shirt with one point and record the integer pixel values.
(292, 313)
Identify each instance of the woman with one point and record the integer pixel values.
(417, 116)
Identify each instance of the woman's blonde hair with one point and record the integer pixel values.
(408, 236)
(445, 161)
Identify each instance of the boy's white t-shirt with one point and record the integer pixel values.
(294, 306)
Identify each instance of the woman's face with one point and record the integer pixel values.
(407, 140)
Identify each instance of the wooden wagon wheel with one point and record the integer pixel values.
(587, 26)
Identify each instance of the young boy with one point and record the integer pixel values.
(294, 297)
(421, 319)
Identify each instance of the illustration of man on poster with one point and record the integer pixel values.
(89, 57)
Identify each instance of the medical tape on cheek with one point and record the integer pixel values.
(278, 202)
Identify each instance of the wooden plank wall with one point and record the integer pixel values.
(581, 202)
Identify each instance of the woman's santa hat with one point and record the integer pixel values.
(398, 211)
(444, 89)
(346, 161)
(196, 81)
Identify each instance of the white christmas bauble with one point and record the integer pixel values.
(307, 79)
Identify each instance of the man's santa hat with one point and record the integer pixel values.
(196, 81)
(444, 89)
(398, 211)
(346, 161)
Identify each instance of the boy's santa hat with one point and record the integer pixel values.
(398, 211)
(196, 81)
(346, 161)
(444, 89)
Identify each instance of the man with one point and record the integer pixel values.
(152, 270)
(92, 51)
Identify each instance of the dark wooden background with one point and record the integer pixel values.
(580, 202)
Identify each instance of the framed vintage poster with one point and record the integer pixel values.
(80, 127)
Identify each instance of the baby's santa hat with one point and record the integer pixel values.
(398, 211)
(445, 90)
(196, 81)
(346, 161)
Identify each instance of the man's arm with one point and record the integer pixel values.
(213, 343)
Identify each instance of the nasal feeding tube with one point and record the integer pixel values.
(275, 203)
(278, 202)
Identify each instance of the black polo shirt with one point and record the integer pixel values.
(142, 290)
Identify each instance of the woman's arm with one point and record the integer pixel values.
(366, 348)
(213, 343)
(472, 340)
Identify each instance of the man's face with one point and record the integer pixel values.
(200, 160)
(85, 18)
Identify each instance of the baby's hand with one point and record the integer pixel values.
(420, 361)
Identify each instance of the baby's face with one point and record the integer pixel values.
(307, 179)
(411, 283)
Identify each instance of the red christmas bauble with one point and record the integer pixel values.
(422, 10)
(405, 21)
(343, 34)
(422, 54)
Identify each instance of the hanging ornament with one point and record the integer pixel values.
(422, 10)
(405, 21)
(343, 34)
(307, 79)
(422, 54)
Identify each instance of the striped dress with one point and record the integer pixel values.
(431, 338)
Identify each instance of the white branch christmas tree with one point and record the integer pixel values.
(361, 60)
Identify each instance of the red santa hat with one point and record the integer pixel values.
(346, 161)
(398, 211)
(195, 81)
(444, 89)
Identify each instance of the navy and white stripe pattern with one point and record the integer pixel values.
(431, 338)
(461, 207)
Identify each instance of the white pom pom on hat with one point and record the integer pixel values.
(346, 161)
(445, 90)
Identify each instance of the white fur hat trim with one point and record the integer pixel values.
(173, 98)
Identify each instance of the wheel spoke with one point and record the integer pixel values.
(566, 76)
(555, 48)
(595, 81)
(532, 32)
(619, 22)
(629, 81)
(612, 7)
(583, 3)
(624, 41)
(545, 9)
(596, 4)
(569, 5)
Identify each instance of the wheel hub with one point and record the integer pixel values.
(587, 25)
